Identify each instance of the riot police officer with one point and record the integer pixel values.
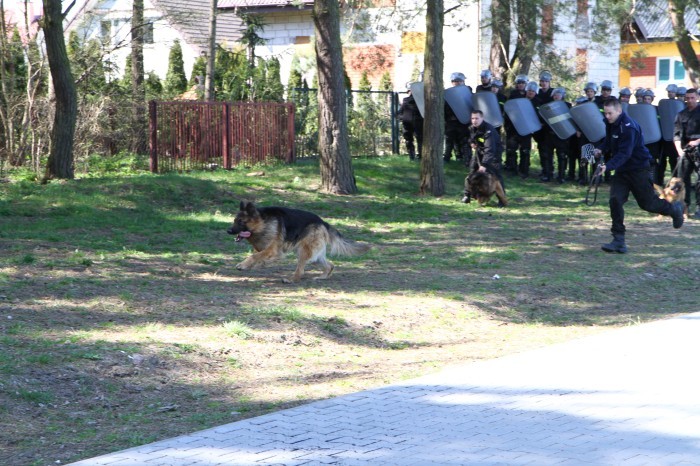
(456, 132)
(545, 143)
(486, 77)
(514, 142)
(625, 95)
(680, 93)
(412, 122)
(561, 146)
(671, 91)
(686, 136)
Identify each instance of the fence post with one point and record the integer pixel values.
(153, 136)
(395, 142)
(292, 136)
(227, 136)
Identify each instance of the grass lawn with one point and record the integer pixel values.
(123, 320)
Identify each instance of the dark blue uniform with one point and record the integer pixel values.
(631, 162)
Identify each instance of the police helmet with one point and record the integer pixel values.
(671, 88)
(532, 86)
(545, 76)
(521, 79)
(681, 90)
(592, 86)
(625, 91)
(408, 85)
(607, 85)
(497, 83)
(561, 91)
(486, 74)
(457, 76)
(581, 100)
(649, 93)
(639, 92)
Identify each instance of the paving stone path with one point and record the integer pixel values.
(624, 397)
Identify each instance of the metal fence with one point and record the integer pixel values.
(191, 135)
(373, 124)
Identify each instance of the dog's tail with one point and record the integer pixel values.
(341, 246)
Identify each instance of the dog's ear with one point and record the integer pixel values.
(250, 209)
(241, 207)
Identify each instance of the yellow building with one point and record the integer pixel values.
(649, 57)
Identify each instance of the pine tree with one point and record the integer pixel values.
(175, 79)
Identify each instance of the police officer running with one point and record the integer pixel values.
(631, 163)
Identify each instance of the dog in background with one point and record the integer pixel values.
(273, 231)
(482, 185)
(674, 191)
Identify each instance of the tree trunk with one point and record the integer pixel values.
(336, 167)
(138, 91)
(211, 59)
(500, 38)
(60, 162)
(681, 35)
(526, 11)
(432, 172)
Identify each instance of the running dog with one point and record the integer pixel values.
(674, 191)
(273, 231)
(483, 185)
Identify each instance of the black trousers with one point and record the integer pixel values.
(411, 130)
(639, 183)
(689, 164)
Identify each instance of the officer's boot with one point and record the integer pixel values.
(561, 169)
(616, 245)
(411, 151)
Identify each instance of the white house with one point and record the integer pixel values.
(388, 37)
(167, 21)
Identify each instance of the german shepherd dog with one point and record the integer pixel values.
(273, 231)
(483, 185)
(674, 191)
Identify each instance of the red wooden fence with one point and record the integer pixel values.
(193, 135)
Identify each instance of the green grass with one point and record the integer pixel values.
(122, 262)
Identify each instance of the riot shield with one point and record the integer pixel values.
(419, 97)
(589, 120)
(648, 119)
(668, 109)
(523, 116)
(556, 115)
(459, 98)
(487, 102)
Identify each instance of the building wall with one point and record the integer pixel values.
(639, 65)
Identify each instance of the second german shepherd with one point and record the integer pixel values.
(483, 185)
(674, 191)
(273, 231)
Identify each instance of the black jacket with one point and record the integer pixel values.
(408, 112)
(625, 142)
(687, 126)
(488, 147)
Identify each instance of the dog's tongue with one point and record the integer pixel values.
(243, 234)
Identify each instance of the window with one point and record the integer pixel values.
(670, 70)
(106, 30)
(148, 33)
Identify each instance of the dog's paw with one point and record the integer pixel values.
(242, 266)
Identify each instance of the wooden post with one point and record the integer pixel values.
(153, 125)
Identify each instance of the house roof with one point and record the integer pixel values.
(265, 5)
(654, 22)
(189, 17)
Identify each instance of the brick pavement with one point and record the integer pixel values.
(623, 397)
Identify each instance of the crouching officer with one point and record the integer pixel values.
(486, 146)
(631, 162)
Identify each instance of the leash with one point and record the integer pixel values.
(588, 155)
(593, 185)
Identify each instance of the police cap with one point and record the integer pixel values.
(532, 86)
(521, 79)
(486, 74)
(591, 85)
(625, 91)
(671, 88)
(545, 76)
(497, 83)
(681, 90)
(606, 85)
(561, 91)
